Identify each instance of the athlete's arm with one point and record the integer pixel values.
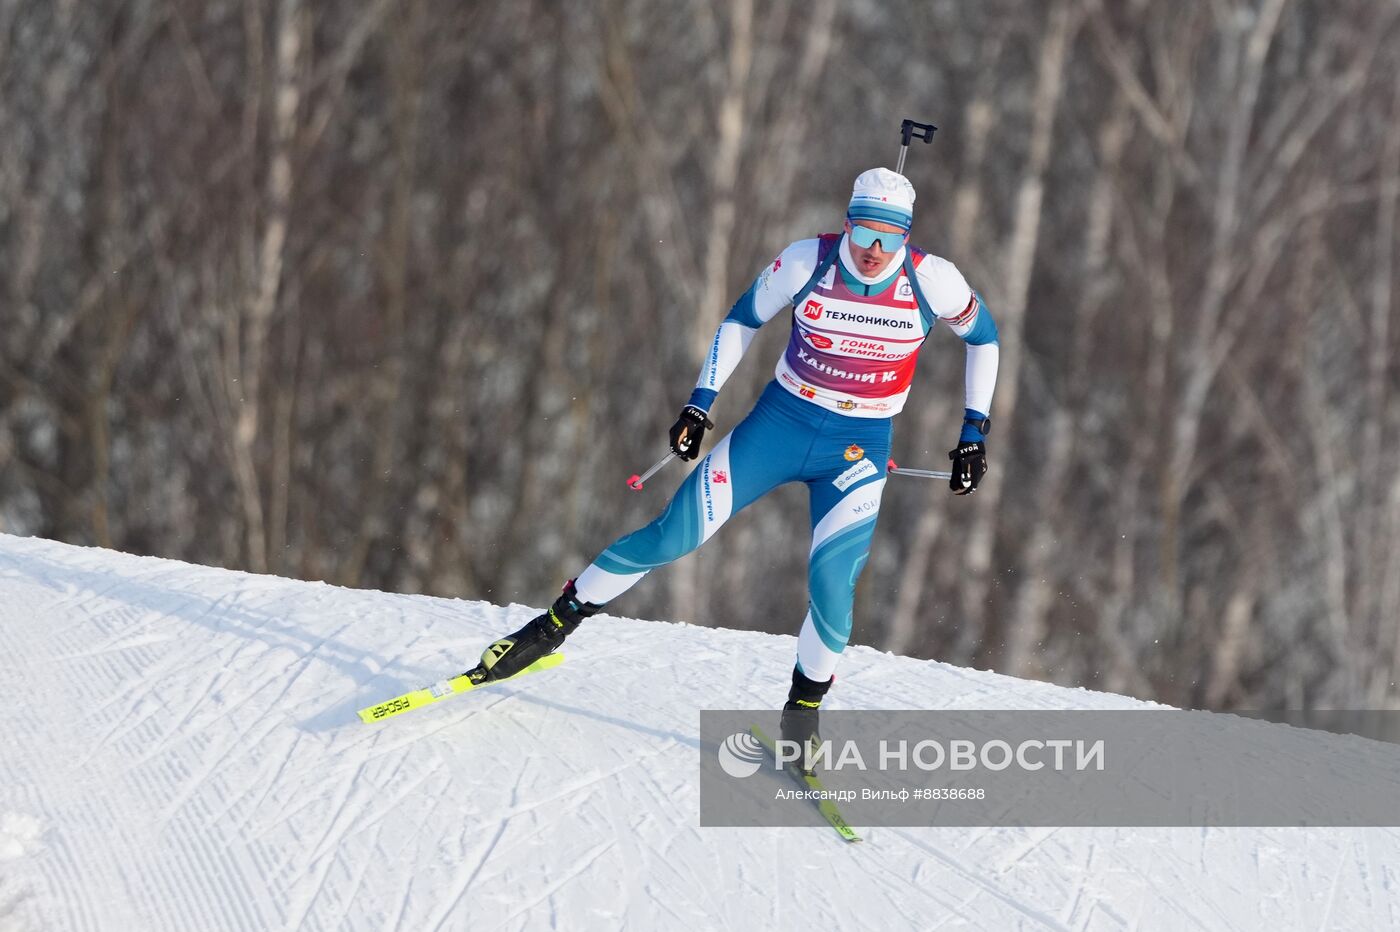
(962, 310)
(770, 293)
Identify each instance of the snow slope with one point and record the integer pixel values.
(179, 751)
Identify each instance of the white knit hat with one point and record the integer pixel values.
(880, 194)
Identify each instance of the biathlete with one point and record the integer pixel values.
(863, 300)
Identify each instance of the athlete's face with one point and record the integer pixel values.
(871, 260)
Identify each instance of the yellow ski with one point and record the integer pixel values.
(825, 806)
(442, 689)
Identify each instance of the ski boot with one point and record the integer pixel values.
(542, 635)
(799, 721)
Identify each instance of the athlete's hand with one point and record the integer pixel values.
(969, 466)
(688, 431)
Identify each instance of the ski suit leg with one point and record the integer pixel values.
(758, 455)
(845, 499)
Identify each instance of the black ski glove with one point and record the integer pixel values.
(969, 466)
(688, 431)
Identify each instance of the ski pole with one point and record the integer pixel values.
(896, 470)
(907, 131)
(635, 483)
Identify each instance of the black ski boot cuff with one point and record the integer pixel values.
(568, 610)
(807, 693)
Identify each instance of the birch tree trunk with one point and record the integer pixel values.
(689, 599)
(1009, 306)
(250, 363)
(1050, 528)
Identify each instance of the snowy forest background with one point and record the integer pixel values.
(396, 294)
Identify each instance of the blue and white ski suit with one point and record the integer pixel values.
(825, 420)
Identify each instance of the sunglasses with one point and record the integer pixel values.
(864, 237)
